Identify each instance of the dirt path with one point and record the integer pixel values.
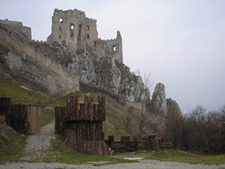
(143, 164)
(36, 143)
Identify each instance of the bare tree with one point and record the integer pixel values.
(143, 114)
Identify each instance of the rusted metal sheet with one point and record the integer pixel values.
(94, 147)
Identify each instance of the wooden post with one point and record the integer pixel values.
(72, 108)
(5, 108)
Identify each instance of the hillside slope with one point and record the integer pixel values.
(115, 112)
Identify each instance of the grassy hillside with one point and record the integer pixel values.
(11, 143)
(114, 124)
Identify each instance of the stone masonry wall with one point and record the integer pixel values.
(80, 35)
(18, 26)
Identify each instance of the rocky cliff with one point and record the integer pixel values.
(26, 65)
(53, 70)
(159, 103)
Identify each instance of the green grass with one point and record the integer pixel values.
(178, 156)
(60, 153)
(20, 95)
(187, 158)
(47, 115)
(112, 126)
(11, 144)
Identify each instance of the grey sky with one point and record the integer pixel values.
(180, 42)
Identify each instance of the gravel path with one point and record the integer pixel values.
(38, 142)
(145, 164)
(42, 140)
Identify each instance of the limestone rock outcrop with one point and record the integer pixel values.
(53, 70)
(29, 67)
(172, 106)
(158, 101)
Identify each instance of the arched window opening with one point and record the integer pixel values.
(61, 20)
(114, 48)
(80, 28)
(72, 26)
(59, 37)
(88, 36)
(88, 27)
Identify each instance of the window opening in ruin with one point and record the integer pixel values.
(60, 29)
(72, 26)
(114, 48)
(88, 36)
(87, 27)
(80, 28)
(59, 36)
(61, 20)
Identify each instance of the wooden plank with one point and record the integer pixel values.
(98, 147)
(60, 114)
(34, 119)
(5, 108)
(125, 138)
(72, 108)
(95, 111)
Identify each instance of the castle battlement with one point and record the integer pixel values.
(79, 33)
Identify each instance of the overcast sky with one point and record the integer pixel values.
(180, 42)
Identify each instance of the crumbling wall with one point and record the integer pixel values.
(109, 48)
(80, 35)
(18, 26)
(74, 29)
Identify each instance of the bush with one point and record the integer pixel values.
(198, 131)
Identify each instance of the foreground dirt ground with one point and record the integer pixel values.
(35, 143)
(143, 164)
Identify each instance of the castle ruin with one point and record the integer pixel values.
(80, 34)
(18, 26)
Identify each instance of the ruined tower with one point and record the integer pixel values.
(80, 34)
(74, 29)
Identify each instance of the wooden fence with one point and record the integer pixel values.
(127, 145)
(94, 147)
(24, 118)
(60, 124)
(5, 108)
(81, 125)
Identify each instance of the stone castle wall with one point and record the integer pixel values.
(80, 34)
(18, 26)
